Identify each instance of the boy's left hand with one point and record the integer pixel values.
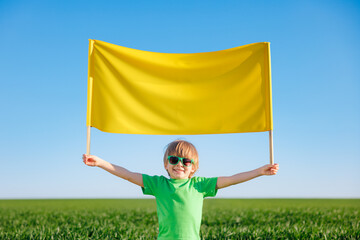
(269, 169)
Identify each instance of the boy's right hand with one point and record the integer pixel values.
(91, 160)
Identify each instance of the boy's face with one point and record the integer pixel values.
(179, 171)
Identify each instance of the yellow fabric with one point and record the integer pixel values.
(140, 92)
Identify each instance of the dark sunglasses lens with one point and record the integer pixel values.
(187, 162)
(173, 160)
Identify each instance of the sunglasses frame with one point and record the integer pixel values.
(180, 159)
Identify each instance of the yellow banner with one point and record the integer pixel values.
(140, 92)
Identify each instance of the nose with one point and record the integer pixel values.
(180, 164)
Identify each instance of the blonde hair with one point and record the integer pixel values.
(183, 149)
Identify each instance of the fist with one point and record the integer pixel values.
(91, 160)
(270, 169)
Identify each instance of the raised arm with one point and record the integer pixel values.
(121, 172)
(269, 169)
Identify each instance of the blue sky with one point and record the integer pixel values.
(315, 79)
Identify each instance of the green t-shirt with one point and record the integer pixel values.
(179, 204)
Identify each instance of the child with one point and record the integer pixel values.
(179, 199)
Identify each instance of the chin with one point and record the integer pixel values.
(179, 176)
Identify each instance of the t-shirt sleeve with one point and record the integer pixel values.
(151, 184)
(208, 186)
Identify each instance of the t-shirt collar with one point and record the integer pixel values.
(178, 180)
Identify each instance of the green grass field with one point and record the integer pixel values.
(222, 219)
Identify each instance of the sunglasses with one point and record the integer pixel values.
(173, 160)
